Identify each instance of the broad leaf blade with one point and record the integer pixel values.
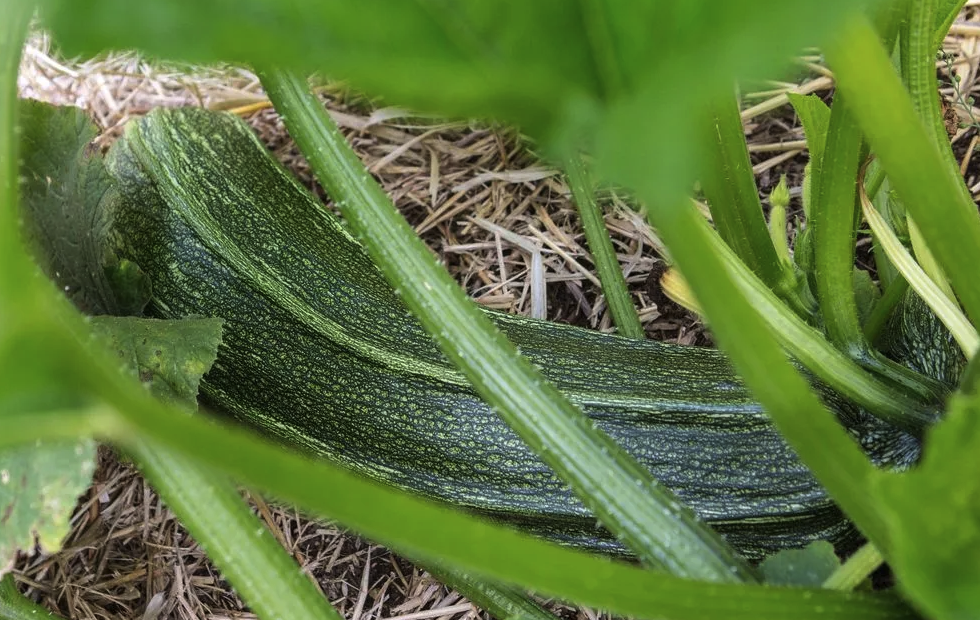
(39, 484)
(64, 187)
(169, 357)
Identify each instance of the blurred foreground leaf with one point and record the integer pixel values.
(628, 78)
(933, 515)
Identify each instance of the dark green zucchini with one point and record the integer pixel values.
(320, 353)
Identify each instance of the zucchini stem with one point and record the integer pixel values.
(603, 254)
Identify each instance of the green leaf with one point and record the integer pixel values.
(66, 195)
(611, 276)
(933, 517)
(809, 566)
(733, 197)
(169, 357)
(39, 484)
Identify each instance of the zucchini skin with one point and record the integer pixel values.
(320, 353)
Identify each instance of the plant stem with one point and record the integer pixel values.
(808, 345)
(733, 197)
(918, 60)
(929, 188)
(241, 546)
(856, 569)
(603, 254)
(834, 214)
(618, 490)
(15, 275)
(16, 606)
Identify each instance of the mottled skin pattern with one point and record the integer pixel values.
(319, 352)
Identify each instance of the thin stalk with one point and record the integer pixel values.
(918, 62)
(603, 254)
(241, 546)
(646, 516)
(930, 189)
(16, 606)
(15, 274)
(733, 197)
(61, 424)
(834, 213)
(856, 569)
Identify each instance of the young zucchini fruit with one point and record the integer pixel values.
(320, 353)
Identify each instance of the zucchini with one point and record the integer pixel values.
(320, 353)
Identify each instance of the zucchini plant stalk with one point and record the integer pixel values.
(734, 199)
(931, 191)
(603, 254)
(619, 491)
(834, 215)
(13, 30)
(16, 606)
(245, 552)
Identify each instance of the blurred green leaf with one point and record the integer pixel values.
(619, 75)
(39, 484)
(169, 357)
(809, 566)
(933, 516)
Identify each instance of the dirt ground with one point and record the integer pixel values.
(480, 199)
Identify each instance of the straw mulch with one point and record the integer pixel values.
(485, 204)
